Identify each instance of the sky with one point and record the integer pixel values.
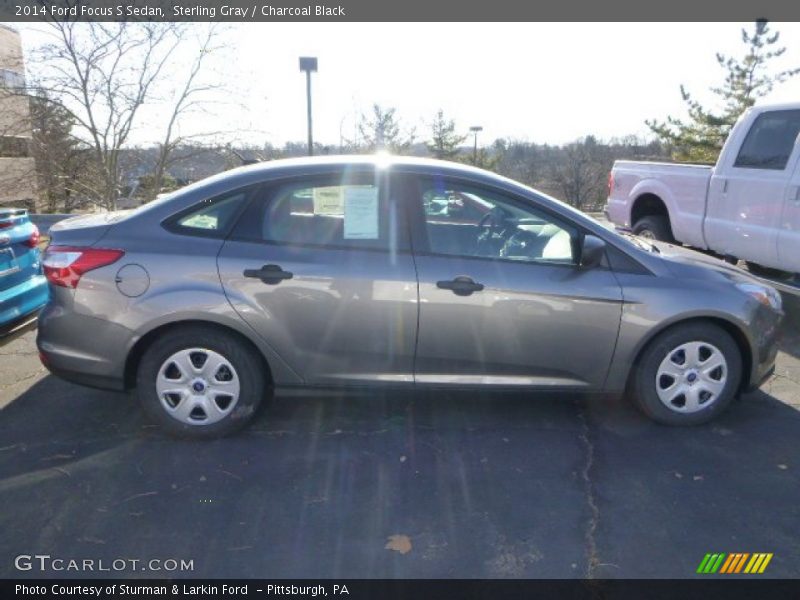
(540, 82)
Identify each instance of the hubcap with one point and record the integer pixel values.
(197, 386)
(691, 377)
(647, 234)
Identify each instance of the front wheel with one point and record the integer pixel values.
(687, 375)
(200, 382)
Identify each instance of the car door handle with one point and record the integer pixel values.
(271, 274)
(460, 286)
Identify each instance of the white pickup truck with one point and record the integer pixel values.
(745, 207)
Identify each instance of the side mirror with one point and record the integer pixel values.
(592, 251)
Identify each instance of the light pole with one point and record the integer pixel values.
(309, 65)
(475, 129)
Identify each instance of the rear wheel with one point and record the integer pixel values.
(654, 227)
(688, 375)
(200, 382)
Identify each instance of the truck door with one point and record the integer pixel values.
(748, 189)
(789, 236)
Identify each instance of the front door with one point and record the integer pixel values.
(320, 267)
(746, 196)
(502, 301)
(789, 236)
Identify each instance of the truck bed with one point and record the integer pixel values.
(681, 187)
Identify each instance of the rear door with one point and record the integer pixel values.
(320, 267)
(502, 301)
(748, 190)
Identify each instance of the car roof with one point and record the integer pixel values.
(320, 165)
(378, 160)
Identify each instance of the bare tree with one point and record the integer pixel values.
(580, 172)
(103, 74)
(190, 96)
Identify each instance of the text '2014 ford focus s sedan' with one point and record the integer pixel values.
(377, 271)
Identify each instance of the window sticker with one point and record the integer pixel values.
(361, 213)
(329, 200)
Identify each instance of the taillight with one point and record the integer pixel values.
(6, 224)
(610, 183)
(64, 265)
(33, 240)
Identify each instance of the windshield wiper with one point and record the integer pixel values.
(642, 243)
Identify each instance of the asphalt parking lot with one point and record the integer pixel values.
(429, 485)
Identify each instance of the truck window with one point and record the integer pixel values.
(770, 141)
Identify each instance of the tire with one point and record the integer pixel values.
(767, 272)
(655, 227)
(175, 375)
(706, 392)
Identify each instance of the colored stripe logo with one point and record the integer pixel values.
(737, 562)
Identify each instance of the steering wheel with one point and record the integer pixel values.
(519, 243)
(494, 233)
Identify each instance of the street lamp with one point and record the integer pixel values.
(309, 65)
(475, 129)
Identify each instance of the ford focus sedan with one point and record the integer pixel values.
(390, 272)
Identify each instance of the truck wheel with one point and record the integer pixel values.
(687, 375)
(767, 272)
(200, 382)
(654, 227)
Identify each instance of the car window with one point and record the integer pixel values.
(462, 221)
(453, 206)
(770, 141)
(329, 212)
(213, 216)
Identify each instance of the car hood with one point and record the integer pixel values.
(691, 264)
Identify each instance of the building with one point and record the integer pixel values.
(17, 166)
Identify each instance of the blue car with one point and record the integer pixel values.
(23, 288)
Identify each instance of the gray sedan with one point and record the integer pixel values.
(390, 272)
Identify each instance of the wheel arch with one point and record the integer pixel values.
(141, 345)
(649, 204)
(730, 327)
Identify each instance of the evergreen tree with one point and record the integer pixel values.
(444, 141)
(485, 159)
(64, 167)
(381, 131)
(701, 137)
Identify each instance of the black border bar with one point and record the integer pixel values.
(729, 588)
(398, 10)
